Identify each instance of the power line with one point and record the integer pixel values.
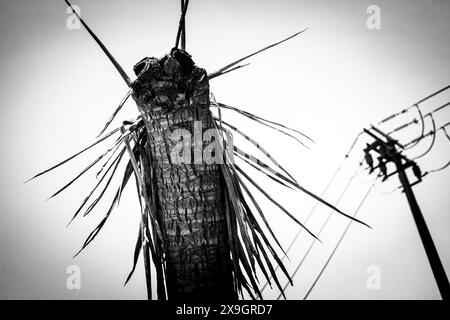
(321, 229)
(387, 192)
(422, 130)
(432, 141)
(415, 121)
(338, 243)
(422, 135)
(431, 132)
(305, 222)
(394, 115)
(448, 162)
(422, 117)
(445, 166)
(352, 146)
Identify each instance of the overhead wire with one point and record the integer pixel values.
(422, 117)
(394, 115)
(445, 166)
(432, 141)
(422, 123)
(339, 168)
(324, 224)
(448, 162)
(338, 243)
(415, 121)
(387, 192)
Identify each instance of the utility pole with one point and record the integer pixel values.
(387, 150)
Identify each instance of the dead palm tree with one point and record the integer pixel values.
(200, 224)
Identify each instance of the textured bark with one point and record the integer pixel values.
(171, 94)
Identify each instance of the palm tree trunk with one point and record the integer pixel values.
(171, 94)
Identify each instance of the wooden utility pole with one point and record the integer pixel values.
(387, 151)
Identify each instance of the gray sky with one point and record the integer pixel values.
(58, 89)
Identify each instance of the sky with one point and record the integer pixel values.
(338, 77)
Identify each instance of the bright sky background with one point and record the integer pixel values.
(58, 89)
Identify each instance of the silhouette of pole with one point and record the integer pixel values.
(386, 147)
(425, 236)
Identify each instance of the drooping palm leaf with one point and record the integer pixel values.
(258, 146)
(75, 155)
(270, 124)
(116, 111)
(260, 189)
(247, 222)
(113, 165)
(116, 143)
(267, 174)
(137, 251)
